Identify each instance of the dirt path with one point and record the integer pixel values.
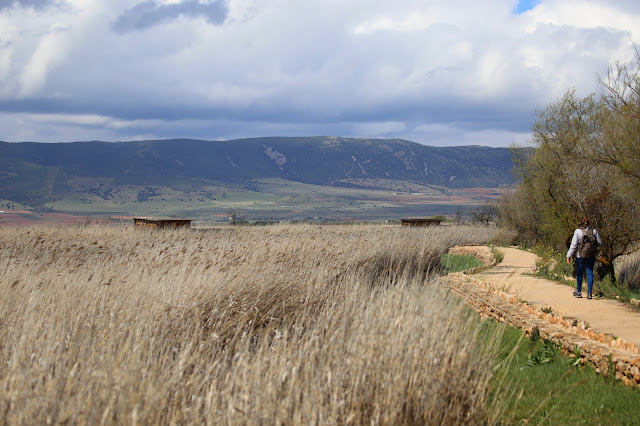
(603, 316)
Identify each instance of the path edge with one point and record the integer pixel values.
(607, 354)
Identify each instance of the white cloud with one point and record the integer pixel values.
(353, 68)
(383, 129)
(50, 51)
(413, 22)
(586, 14)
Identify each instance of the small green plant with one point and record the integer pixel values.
(498, 255)
(525, 245)
(546, 261)
(611, 373)
(542, 355)
(535, 335)
(578, 356)
(551, 264)
(547, 310)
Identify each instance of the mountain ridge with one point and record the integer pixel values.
(33, 173)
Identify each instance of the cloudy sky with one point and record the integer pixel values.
(454, 72)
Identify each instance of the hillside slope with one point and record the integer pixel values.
(32, 172)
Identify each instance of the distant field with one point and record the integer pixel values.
(267, 199)
(28, 217)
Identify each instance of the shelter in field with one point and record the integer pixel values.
(161, 223)
(420, 222)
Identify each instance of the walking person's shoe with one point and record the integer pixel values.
(577, 294)
(589, 296)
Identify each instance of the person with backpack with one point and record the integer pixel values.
(584, 244)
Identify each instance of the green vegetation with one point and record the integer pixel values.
(498, 254)
(266, 200)
(585, 163)
(457, 262)
(548, 310)
(7, 204)
(534, 383)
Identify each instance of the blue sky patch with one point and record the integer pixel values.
(524, 5)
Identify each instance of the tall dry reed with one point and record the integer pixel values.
(628, 268)
(269, 325)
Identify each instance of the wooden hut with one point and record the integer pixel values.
(161, 223)
(420, 222)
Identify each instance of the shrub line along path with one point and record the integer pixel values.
(605, 332)
(603, 316)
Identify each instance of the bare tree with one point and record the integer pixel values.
(458, 216)
(484, 214)
(236, 217)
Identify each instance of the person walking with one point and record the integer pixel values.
(584, 244)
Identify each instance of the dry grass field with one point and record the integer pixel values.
(250, 325)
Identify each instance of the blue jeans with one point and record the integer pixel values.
(581, 265)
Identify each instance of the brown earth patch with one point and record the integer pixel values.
(29, 218)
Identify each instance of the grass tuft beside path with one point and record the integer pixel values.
(457, 263)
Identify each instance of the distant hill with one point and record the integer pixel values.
(33, 173)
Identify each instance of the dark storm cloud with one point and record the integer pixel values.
(34, 4)
(149, 13)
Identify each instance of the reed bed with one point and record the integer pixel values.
(629, 271)
(250, 325)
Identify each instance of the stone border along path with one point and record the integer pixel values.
(498, 292)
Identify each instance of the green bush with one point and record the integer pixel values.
(498, 255)
(552, 264)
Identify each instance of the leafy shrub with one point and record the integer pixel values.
(542, 355)
(498, 255)
(551, 263)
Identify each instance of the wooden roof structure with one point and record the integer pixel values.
(161, 223)
(420, 222)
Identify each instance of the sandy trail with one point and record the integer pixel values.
(604, 316)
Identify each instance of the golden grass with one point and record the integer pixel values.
(251, 325)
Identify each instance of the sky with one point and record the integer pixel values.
(441, 73)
